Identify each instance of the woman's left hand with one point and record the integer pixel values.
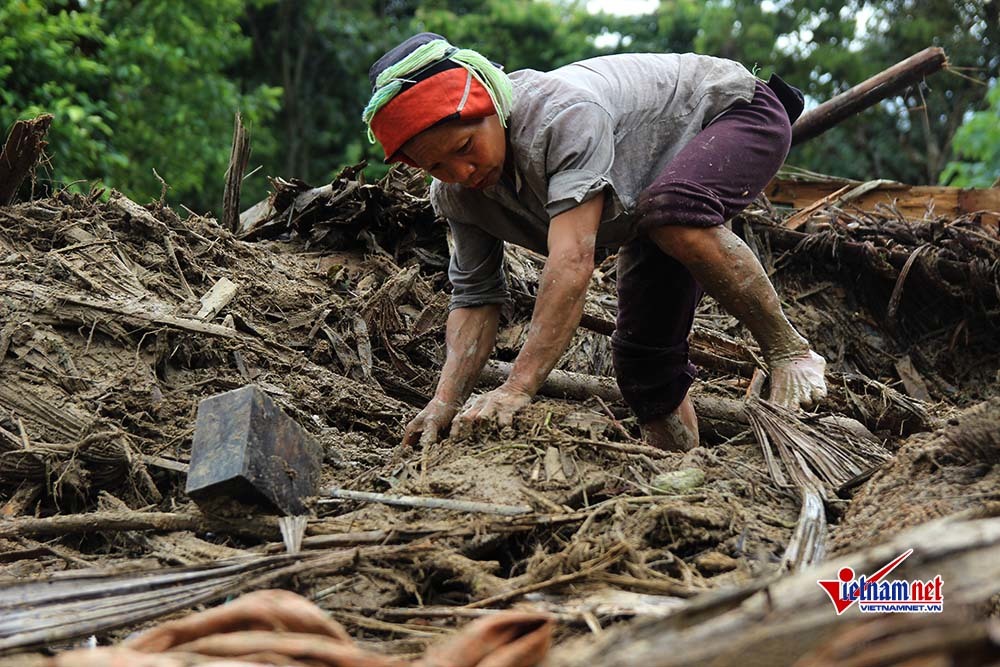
(499, 404)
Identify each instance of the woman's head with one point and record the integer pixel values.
(467, 152)
(440, 108)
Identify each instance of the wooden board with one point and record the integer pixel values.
(913, 201)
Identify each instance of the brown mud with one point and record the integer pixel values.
(338, 316)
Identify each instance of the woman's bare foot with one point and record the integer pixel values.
(677, 431)
(797, 380)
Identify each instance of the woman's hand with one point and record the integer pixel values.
(430, 424)
(499, 404)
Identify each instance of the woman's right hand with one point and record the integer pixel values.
(430, 424)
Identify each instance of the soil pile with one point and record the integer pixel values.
(111, 335)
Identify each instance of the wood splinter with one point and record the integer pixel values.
(20, 153)
(425, 502)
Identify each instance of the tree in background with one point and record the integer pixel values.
(520, 34)
(977, 144)
(826, 47)
(49, 64)
(133, 86)
(909, 138)
(319, 52)
(173, 97)
(141, 85)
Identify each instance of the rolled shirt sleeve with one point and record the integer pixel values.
(475, 268)
(579, 152)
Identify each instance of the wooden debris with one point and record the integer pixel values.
(20, 153)
(293, 529)
(560, 384)
(908, 374)
(217, 298)
(973, 279)
(816, 462)
(21, 501)
(35, 613)
(800, 217)
(118, 521)
(912, 201)
(879, 87)
(105, 363)
(779, 621)
(238, 159)
(429, 503)
(46, 300)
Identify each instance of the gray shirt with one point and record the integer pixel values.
(606, 124)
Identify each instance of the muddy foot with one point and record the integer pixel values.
(676, 432)
(798, 380)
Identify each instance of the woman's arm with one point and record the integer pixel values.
(469, 338)
(558, 308)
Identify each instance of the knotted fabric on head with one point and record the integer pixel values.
(426, 81)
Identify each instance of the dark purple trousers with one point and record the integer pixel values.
(712, 179)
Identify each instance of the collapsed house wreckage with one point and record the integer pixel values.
(120, 320)
(114, 331)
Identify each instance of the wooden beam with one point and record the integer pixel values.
(868, 93)
(913, 201)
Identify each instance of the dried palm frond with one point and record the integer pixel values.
(813, 460)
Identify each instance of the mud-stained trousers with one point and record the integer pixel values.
(724, 168)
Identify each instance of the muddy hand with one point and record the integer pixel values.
(499, 404)
(797, 380)
(430, 424)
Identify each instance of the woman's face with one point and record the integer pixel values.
(467, 152)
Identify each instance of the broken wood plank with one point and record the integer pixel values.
(912, 201)
(33, 292)
(91, 522)
(216, 299)
(164, 463)
(879, 87)
(238, 159)
(471, 506)
(21, 152)
(799, 218)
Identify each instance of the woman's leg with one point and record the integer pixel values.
(716, 175)
(657, 298)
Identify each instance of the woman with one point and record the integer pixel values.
(646, 154)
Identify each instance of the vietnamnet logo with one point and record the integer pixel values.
(876, 594)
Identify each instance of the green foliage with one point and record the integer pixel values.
(977, 144)
(319, 52)
(48, 65)
(133, 87)
(137, 86)
(518, 33)
(173, 101)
